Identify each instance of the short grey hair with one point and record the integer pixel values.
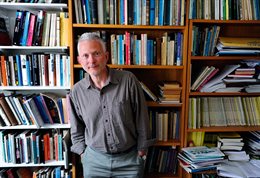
(92, 36)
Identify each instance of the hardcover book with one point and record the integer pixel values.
(4, 36)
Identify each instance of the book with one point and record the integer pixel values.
(26, 24)
(148, 92)
(54, 108)
(43, 109)
(7, 110)
(31, 30)
(4, 36)
(239, 42)
(37, 36)
(203, 152)
(169, 85)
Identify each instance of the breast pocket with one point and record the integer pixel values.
(121, 111)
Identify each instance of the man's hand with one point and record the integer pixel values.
(142, 154)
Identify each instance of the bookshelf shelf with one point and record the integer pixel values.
(133, 27)
(223, 94)
(226, 129)
(222, 58)
(51, 163)
(34, 48)
(21, 88)
(46, 126)
(157, 104)
(228, 22)
(139, 67)
(172, 143)
(33, 6)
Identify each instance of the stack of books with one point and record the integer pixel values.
(232, 146)
(202, 158)
(230, 141)
(170, 92)
(238, 46)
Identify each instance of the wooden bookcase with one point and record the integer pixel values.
(228, 28)
(151, 75)
(8, 11)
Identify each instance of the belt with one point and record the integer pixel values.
(123, 152)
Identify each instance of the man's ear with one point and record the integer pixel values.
(107, 56)
(78, 59)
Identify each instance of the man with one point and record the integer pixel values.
(109, 118)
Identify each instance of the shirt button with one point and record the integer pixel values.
(111, 148)
(108, 134)
(106, 120)
(104, 106)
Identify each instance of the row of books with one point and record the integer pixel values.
(162, 160)
(129, 49)
(34, 147)
(38, 110)
(204, 40)
(165, 125)
(35, 70)
(223, 111)
(43, 29)
(54, 172)
(224, 10)
(130, 12)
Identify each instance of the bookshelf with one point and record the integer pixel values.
(25, 86)
(237, 24)
(150, 73)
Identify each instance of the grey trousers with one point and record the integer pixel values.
(100, 165)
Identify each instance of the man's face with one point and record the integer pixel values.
(92, 57)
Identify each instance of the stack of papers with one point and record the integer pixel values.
(202, 158)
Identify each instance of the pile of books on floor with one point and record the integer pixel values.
(170, 92)
(231, 144)
(201, 158)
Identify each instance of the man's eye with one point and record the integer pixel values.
(85, 56)
(97, 54)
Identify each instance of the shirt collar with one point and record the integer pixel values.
(113, 78)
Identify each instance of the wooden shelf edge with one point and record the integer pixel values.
(135, 27)
(78, 66)
(226, 129)
(225, 58)
(225, 21)
(191, 94)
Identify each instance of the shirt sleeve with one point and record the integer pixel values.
(144, 139)
(77, 130)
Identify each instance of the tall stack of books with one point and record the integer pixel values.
(170, 92)
(201, 158)
(232, 146)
